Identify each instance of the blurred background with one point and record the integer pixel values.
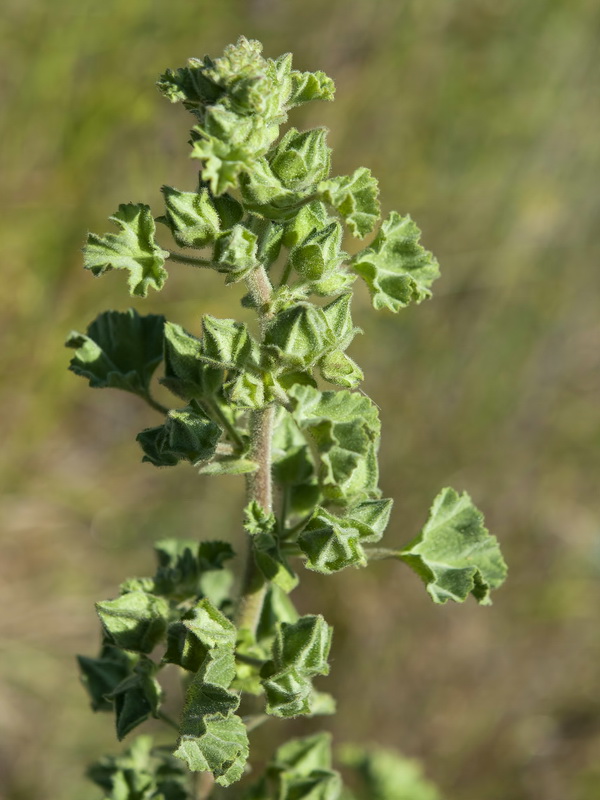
(481, 119)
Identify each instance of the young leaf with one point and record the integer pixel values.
(454, 553)
(307, 86)
(136, 698)
(267, 555)
(354, 197)
(217, 744)
(298, 337)
(134, 621)
(319, 254)
(236, 253)
(397, 270)
(227, 344)
(188, 434)
(102, 675)
(133, 249)
(300, 652)
(191, 216)
(186, 374)
(301, 159)
(121, 350)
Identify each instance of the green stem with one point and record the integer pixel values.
(155, 404)
(191, 260)
(231, 431)
(381, 553)
(167, 719)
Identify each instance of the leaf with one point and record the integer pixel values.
(188, 434)
(102, 675)
(267, 555)
(121, 350)
(191, 216)
(307, 86)
(319, 254)
(397, 270)
(344, 427)
(454, 553)
(301, 159)
(277, 608)
(386, 775)
(229, 465)
(133, 249)
(338, 368)
(354, 197)
(134, 621)
(227, 344)
(298, 337)
(136, 698)
(236, 253)
(142, 771)
(212, 737)
(310, 217)
(333, 543)
(186, 373)
(300, 652)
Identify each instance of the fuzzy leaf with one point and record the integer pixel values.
(397, 270)
(211, 627)
(226, 344)
(218, 744)
(355, 198)
(301, 159)
(454, 553)
(332, 543)
(133, 249)
(298, 337)
(300, 652)
(269, 560)
(344, 427)
(338, 368)
(188, 434)
(187, 374)
(136, 698)
(102, 675)
(310, 217)
(134, 621)
(236, 253)
(191, 216)
(120, 350)
(319, 254)
(307, 86)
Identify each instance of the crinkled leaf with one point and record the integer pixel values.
(454, 553)
(188, 434)
(134, 621)
(120, 350)
(319, 254)
(332, 543)
(269, 236)
(267, 555)
(338, 368)
(133, 249)
(301, 770)
(236, 253)
(307, 86)
(247, 391)
(187, 374)
(277, 608)
(355, 198)
(227, 344)
(229, 465)
(191, 216)
(211, 627)
(386, 775)
(301, 159)
(102, 675)
(310, 217)
(397, 270)
(141, 772)
(136, 698)
(218, 744)
(344, 427)
(298, 337)
(300, 652)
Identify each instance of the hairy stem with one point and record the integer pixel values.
(259, 483)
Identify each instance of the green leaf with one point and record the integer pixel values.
(300, 652)
(310, 217)
(136, 698)
(186, 373)
(267, 555)
(354, 197)
(303, 756)
(191, 216)
(301, 159)
(247, 391)
(121, 350)
(277, 608)
(134, 621)
(188, 434)
(102, 675)
(386, 775)
(298, 337)
(333, 543)
(236, 253)
(133, 249)
(344, 427)
(397, 270)
(141, 772)
(213, 738)
(338, 368)
(454, 553)
(319, 254)
(301, 770)
(229, 465)
(307, 86)
(227, 344)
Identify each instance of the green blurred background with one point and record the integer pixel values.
(481, 119)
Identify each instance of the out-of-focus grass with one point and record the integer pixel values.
(481, 119)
